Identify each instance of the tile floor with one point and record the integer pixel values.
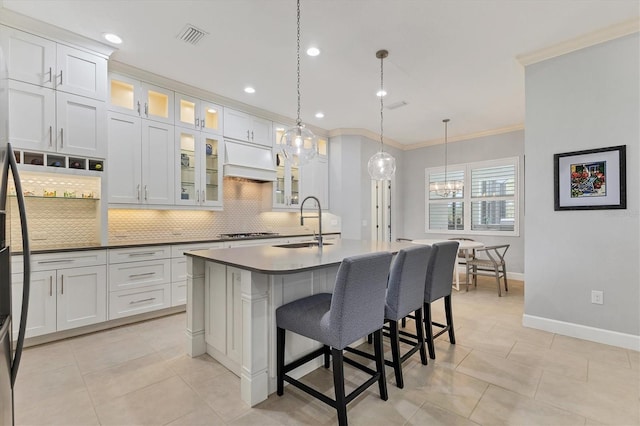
(497, 373)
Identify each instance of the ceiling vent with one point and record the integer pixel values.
(191, 34)
(396, 105)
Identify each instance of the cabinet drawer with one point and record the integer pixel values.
(72, 259)
(136, 301)
(135, 254)
(179, 249)
(178, 293)
(139, 274)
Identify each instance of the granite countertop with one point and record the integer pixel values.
(279, 260)
(129, 244)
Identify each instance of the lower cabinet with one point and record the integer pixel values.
(139, 280)
(62, 299)
(179, 269)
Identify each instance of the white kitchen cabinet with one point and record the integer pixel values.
(198, 168)
(245, 127)
(197, 114)
(134, 97)
(39, 61)
(141, 154)
(44, 120)
(179, 269)
(139, 280)
(63, 297)
(316, 182)
(286, 188)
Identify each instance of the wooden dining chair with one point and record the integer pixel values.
(491, 265)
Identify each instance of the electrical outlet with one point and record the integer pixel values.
(597, 297)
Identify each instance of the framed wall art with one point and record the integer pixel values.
(591, 179)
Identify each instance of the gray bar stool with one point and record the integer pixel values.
(405, 293)
(354, 310)
(438, 285)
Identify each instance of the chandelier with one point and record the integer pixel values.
(381, 165)
(448, 188)
(299, 144)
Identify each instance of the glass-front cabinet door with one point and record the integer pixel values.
(197, 114)
(286, 188)
(134, 97)
(200, 180)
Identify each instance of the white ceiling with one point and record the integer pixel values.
(447, 59)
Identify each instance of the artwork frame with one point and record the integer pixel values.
(593, 179)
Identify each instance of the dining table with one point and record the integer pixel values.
(466, 246)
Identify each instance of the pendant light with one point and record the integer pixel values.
(381, 165)
(299, 144)
(448, 188)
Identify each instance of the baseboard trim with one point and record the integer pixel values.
(599, 335)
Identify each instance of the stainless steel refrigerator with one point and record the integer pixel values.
(10, 355)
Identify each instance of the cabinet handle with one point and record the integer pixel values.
(44, 262)
(145, 274)
(146, 253)
(198, 195)
(50, 75)
(146, 193)
(50, 136)
(61, 284)
(50, 285)
(138, 191)
(142, 300)
(138, 107)
(252, 135)
(146, 109)
(60, 77)
(248, 135)
(197, 123)
(203, 197)
(61, 138)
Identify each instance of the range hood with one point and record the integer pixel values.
(248, 161)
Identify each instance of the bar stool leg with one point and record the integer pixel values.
(394, 338)
(379, 354)
(449, 313)
(327, 355)
(280, 360)
(429, 331)
(420, 335)
(338, 384)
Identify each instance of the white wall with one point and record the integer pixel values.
(467, 151)
(583, 100)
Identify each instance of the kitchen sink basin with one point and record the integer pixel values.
(302, 245)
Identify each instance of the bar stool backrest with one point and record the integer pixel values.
(407, 281)
(357, 304)
(440, 271)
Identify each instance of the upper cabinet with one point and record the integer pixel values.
(55, 96)
(197, 114)
(198, 168)
(245, 127)
(134, 97)
(36, 60)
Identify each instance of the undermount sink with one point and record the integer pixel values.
(302, 245)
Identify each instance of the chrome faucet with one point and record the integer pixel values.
(319, 217)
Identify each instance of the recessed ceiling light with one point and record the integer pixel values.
(112, 38)
(381, 93)
(249, 89)
(319, 115)
(313, 51)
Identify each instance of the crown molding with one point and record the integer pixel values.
(600, 36)
(60, 35)
(374, 136)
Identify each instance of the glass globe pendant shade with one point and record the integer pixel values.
(381, 166)
(299, 144)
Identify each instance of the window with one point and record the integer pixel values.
(484, 202)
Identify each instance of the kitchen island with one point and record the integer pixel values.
(232, 295)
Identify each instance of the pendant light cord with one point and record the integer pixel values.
(298, 121)
(446, 123)
(381, 102)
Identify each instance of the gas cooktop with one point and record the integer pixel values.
(241, 235)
